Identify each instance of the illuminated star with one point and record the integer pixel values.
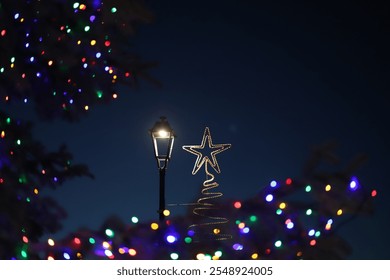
(201, 159)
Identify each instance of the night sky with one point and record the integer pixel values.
(273, 80)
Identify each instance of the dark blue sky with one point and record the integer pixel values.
(273, 80)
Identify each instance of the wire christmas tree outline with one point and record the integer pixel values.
(203, 205)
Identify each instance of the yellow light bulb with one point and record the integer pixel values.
(163, 133)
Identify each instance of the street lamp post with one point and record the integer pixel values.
(163, 138)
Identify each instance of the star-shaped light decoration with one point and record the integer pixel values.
(201, 159)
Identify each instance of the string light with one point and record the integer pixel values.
(174, 256)
(171, 238)
(289, 224)
(188, 240)
(218, 254)
(237, 204)
(278, 244)
(269, 197)
(132, 252)
(108, 253)
(106, 245)
(247, 221)
(109, 232)
(35, 41)
(245, 230)
(166, 212)
(353, 184)
(50, 242)
(154, 226)
(23, 253)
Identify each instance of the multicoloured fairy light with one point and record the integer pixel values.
(249, 227)
(272, 224)
(23, 185)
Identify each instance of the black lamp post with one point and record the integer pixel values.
(163, 137)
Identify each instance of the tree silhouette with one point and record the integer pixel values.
(61, 57)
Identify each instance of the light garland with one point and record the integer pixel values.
(275, 229)
(65, 51)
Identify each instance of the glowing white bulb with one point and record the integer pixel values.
(163, 133)
(269, 197)
(171, 238)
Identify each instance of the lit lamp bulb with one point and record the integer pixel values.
(163, 133)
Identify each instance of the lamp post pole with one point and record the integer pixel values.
(162, 195)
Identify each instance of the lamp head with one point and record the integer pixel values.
(163, 138)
